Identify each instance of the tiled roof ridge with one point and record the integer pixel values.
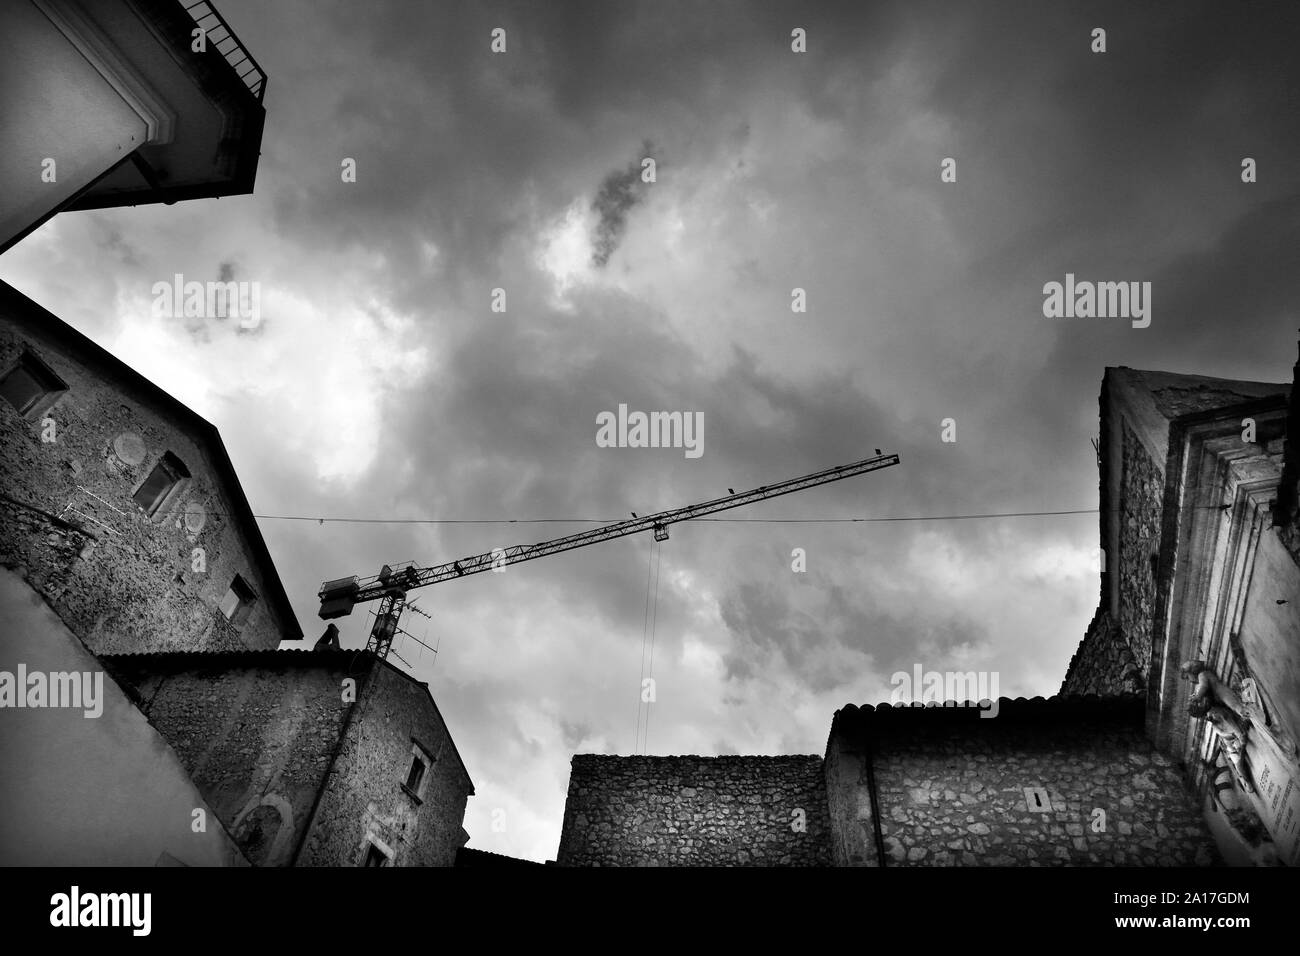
(302, 654)
(718, 757)
(504, 857)
(1037, 700)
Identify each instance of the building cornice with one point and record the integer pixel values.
(126, 81)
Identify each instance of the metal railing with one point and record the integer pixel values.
(219, 35)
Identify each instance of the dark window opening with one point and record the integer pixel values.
(165, 478)
(31, 386)
(375, 857)
(257, 833)
(238, 602)
(415, 776)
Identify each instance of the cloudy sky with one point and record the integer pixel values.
(380, 383)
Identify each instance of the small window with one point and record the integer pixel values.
(165, 478)
(30, 386)
(416, 775)
(375, 856)
(238, 602)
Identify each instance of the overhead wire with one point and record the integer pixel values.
(886, 518)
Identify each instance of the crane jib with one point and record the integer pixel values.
(340, 595)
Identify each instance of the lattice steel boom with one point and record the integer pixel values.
(390, 585)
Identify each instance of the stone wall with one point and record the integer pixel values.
(255, 731)
(128, 583)
(286, 758)
(1103, 664)
(695, 811)
(1286, 513)
(1141, 504)
(951, 787)
(366, 800)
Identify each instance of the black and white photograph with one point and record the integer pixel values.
(650, 434)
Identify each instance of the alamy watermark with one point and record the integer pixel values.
(965, 688)
(1099, 300)
(76, 908)
(84, 691)
(653, 430)
(211, 300)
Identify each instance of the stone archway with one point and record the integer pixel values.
(263, 829)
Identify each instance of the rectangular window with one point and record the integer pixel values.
(416, 775)
(375, 856)
(31, 387)
(238, 602)
(165, 478)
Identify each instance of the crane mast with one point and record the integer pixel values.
(390, 585)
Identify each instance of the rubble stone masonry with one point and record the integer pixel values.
(365, 797)
(695, 811)
(123, 581)
(1103, 664)
(1142, 499)
(951, 788)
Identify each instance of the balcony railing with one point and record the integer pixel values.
(220, 35)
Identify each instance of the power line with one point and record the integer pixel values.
(321, 519)
(962, 517)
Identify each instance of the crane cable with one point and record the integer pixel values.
(653, 561)
(654, 617)
(645, 624)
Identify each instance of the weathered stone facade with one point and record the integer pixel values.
(1286, 508)
(1103, 664)
(1141, 508)
(122, 580)
(296, 770)
(255, 731)
(695, 811)
(951, 787)
(1061, 782)
(365, 797)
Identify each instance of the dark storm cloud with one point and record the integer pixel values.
(766, 627)
(1068, 161)
(619, 192)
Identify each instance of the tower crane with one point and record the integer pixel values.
(391, 585)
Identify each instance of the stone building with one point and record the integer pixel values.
(121, 504)
(122, 528)
(1200, 598)
(127, 546)
(309, 758)
(125, 535)
(121, 102)
(695, 811)
(1064, 781)
(1173, 739)
(107, 485)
